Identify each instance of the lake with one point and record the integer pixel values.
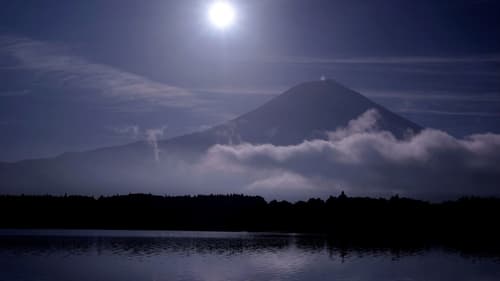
(66, 255)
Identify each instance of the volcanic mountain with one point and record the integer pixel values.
(304, 112)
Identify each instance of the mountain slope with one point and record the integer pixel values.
(304, 112)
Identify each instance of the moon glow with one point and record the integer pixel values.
(221, 14)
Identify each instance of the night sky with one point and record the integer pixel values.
(77, 75)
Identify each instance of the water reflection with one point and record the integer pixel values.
(136, 255)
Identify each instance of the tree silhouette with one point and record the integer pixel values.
(359, 219)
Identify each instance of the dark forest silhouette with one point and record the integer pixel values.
(467, 221)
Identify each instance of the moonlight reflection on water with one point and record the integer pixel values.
(151, 255)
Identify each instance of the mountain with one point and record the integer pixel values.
(304, 112)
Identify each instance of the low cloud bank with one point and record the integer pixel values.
(363, 161)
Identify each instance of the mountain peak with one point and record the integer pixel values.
(303, 112)
(319, 84)
(325, 90)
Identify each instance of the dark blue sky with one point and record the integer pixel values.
(77, 75)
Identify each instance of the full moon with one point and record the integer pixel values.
(221, 14)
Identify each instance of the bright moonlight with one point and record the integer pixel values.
(221, 14)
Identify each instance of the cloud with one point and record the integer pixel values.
(453, 113)
(66, 70)
(365, 161)
(474, 66)
(55, 72)
(367, 122)
(240, 91)
(131, 130)
(490, 58)
(449, 103)
(433, 95)
(16, 93)
(360, 159)
(280, 183)
(152, 136)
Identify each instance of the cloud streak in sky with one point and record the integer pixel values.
(433, 95)
(491, 58)
(450, 103)
(452, 113)
(66, 70)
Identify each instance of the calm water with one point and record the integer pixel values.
(151, 255)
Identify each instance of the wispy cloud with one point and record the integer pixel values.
(490, 58)
(439, 102)
(240, 90)
(151, 135)
(479, 65)
(14, 93)
(433, 95)
(132, 131)
(454, 113)
(65, 69)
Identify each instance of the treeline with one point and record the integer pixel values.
(345, 218)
